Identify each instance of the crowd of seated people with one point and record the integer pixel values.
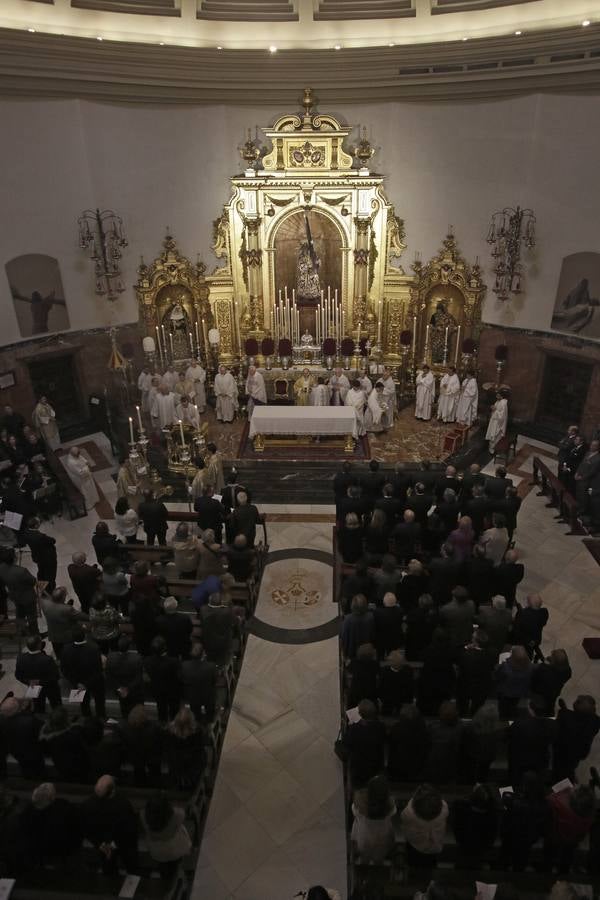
(448, 695)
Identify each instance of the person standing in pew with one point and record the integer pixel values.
(145, 586)
(123, 672)
(199, 677)
(164, 674)
(153, 514)
(175, 628)
(241, 559)
(507, 576)
(61, 619)
(81, 665)
(245, 518)
(106, 544)
(185, 552)
(396, 684)
(43, 552)
(109, 822)
(35, 667)
(210, 512)
(211, 556)
(84, 578)
(218, 626)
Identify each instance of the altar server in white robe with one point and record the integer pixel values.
(466, 411)
(498, 421)
(256, 389)
(44, 420)
(338, 388)
(197, 375)
(144, 384)
(320, 393)
(448, 400)
(188, 413)
(170, 377)
(79, 473)
(376, 409)
(226, 393)
(356, 399)
(163, 411)
(425, 393)
(366, 384)
(389, 395)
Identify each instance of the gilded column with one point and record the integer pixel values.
(361, 272)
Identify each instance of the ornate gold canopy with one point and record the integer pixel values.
(445, 306)
(174, 309)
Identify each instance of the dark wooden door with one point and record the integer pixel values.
(56, 377)
(564, 392)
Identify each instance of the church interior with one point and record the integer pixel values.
(299, 449)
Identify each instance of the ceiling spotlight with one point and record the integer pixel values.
(338, 47)
(465, 39)
(272, 49)
(586, 22)
(518, 32)
(161, 43)
(391, 45)
(32, 30)
(99, 38)
(219, 47)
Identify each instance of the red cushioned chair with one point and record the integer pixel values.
(281, 392)
(347, 347)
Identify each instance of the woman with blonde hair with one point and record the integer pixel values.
(350, 538)
(186, 755)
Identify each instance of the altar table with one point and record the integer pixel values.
(303, 421)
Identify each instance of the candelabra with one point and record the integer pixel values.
(103, 232)
(509, 229)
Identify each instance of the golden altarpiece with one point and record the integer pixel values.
(306, 178)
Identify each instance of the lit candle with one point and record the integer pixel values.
(197, 415)
(158, 342)
(139, 418)
(204, 338)
(172, 346)
(131, 441)
(379, 322)
(197, 338)
(457, 349)
(358, 338)
(191, 344)
(343, 323)
(414, 332)
(164, 341)
(182, 433)
(426, 340)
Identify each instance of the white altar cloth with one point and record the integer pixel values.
(314, 420)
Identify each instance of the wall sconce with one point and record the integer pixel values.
(103, 232)
(508, 230)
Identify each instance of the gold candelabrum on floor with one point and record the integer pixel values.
(185, 444)
(138, 457)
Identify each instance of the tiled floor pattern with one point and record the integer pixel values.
(276, 821)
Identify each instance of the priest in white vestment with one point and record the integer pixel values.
(187, 412)
(144, 384)
(226, 392)
(466, 411)
(303, 388)
(163, 411)
(256, 390)
(79, 473)
(425, 393)
(376, 409)
(170, 377)
(197, 375)
(448, 399)
(184, 387)
(498, 421)
(356, 399)
(366, 384)
(338, 388)
(44, 421)
(389, 395)
(320, 393)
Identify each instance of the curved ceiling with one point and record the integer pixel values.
(293, 24)
(249, 51)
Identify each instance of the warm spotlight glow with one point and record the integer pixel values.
(99, 38)
(465, 39)
(518, 32)
(32, 30)
(338, 47)
(272, 49)
(586, 22)
(219, 47)
(391, 45)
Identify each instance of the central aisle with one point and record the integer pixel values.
(276, 820)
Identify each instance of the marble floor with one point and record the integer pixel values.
(276, 821)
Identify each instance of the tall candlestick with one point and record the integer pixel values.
(414, 332)
(426, 341)
(131, 441)
(358, 338)
(139, 415)
(182, 433)
(158, 343)
(172, 346)
(191, 343)
(164, 341)
(457, 350)
(379, 323)
(446, 340)
(198, 340)
(343, 324)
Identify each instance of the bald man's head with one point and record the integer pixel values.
(105, 787)
(534, 600)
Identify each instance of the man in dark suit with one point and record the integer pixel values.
(448, 480)
(81, 664)
(529, 624)
(353, 502)
(476, 662)
(84, 578)
(565, 446)
(479, 509)
(210, 512)
(427, 476)
(106, 544)
(43, 552)
(586, 472)
(495, 486)
(153, 514)
(406, 536)
(176, 628)
(507, 575)
(21, 586)
(390, 505)
(478, 576)
(109, 822)
(241, 559)
(573, 460)
(530, 738)
(509, 508)
(124, 674)
(472, 478)
(372, 482)
(444, 573)
(342, 481)
(401, 482)
(420, 503)
(35, 667)
(245, 518)
(199, 677)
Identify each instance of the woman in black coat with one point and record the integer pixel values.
(409, 744)
(350, 539)
(549, 678)
(64, 741)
